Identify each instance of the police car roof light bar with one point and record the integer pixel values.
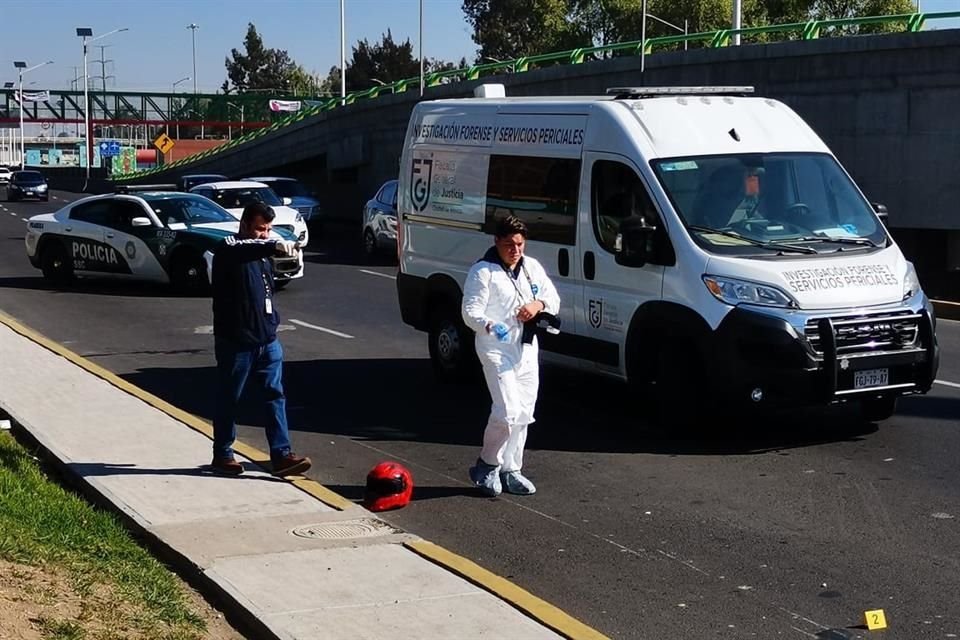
(658, 92)
(130, 188)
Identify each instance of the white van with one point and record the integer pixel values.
(703, 240)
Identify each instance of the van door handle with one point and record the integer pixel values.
(68, 228)
(563, 263)
(109, 235)
(589, 265)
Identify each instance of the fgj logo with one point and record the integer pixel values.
(131, 250)
(596, 313)
(420, 177)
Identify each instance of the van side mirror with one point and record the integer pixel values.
(634, 242)
(881, 211)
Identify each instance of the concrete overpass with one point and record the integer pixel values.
(884, 103)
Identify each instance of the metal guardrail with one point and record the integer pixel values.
(810, 30)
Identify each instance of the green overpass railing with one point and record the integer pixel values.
(811, 30)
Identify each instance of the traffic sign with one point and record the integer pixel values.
(163, 143)
(109, 148)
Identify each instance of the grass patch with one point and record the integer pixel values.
(43, 525)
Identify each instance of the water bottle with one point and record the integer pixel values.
(502, 332)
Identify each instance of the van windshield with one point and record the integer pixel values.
(754, 202)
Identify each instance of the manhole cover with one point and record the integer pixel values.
(363, 528)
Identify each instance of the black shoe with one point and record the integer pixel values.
(290, 465)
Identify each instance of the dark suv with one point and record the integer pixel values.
(185, 183)
(27, 184)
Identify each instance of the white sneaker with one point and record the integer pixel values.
(516, 483)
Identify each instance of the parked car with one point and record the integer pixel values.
(5, 174)
(380, 221)
(162, 236)
(236, 194)
(27, 184)
(294, 194)
(185, 183)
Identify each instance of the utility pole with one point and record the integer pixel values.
(193, 26)
(421, 47)
(343, 57)
(737, 17)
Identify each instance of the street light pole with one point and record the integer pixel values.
(343, 57)
(737, 14)
(193, 26)
(87, 32)
(421, 47)
(22, 69)
(643, 39)
(174, 91)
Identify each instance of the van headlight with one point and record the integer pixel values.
(911, 283)
(734, 292)
(42, 187)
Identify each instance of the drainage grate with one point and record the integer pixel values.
(362, 528)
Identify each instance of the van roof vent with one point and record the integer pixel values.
(622, 93)
(490, 91)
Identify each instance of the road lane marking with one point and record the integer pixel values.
(948, 384)
(324, 329)
(375, 273)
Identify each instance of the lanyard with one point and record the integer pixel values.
(513, 280)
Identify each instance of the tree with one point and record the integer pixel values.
(506, 29)
(832, 9)
(259, 68)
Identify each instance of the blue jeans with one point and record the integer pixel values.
(235, 364)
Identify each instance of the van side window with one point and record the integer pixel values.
(542, 192)
(617, 193)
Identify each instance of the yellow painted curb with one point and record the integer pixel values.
(540, 610)
(306, 485)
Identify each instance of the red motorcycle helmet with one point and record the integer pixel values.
(389, 486)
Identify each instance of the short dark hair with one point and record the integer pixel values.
(257, 210)
(508, 226)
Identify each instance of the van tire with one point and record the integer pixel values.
(681, 390)
(451, 346)
(878, 409)
(55, 264)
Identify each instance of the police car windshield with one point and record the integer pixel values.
(805, 199)
(189, 211)
(238, 198)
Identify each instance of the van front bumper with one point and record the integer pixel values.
(770, 358)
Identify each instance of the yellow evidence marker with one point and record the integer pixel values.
(875, 619)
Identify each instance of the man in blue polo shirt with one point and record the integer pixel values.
(245, 334)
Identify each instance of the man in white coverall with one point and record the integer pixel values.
(504, 290)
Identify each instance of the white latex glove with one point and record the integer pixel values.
(287, 247)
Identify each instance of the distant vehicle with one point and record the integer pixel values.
(300, 198)
(380, 221)
(161, 236)
(236, 194)
(5, 174)
(27, 184)
(185, 183)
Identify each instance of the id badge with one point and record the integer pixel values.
(269, 305)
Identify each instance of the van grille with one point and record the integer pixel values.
(858, 334)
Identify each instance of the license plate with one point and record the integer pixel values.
(871, 378)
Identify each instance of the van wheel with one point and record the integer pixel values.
(682, 398)
(55, 264)
(451, 346)
(878, 409)
(188, 273)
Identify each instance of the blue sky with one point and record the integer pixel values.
(156, 51)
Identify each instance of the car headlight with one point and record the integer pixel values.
(734, 292)
(42, 187)
(911, 283)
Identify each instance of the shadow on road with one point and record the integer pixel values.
(92, 286)
(399, 400)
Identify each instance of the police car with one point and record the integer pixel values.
(159, 236)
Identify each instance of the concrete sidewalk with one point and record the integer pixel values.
(291, 558)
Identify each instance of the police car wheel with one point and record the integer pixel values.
(188, 273)
(878, 409)
(55, 264)
(369, 243)
(451, 346)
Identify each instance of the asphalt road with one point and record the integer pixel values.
(789, 528)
